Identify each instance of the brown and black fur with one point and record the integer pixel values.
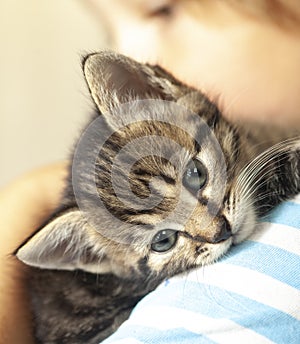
(90, 268)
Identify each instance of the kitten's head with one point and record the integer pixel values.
(152, 179)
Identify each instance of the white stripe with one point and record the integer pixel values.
(281, 236)
(128, 340)
(218, 330)
(296, 199)
(251, 284)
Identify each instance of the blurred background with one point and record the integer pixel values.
(43, 96)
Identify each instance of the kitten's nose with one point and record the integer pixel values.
(224, 232)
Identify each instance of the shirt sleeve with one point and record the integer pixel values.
(252, 295)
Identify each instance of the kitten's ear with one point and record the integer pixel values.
(114, 79)
(65, 243)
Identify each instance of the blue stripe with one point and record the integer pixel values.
(155, 336)
(273, 261)
(218, 303)
(287, 213)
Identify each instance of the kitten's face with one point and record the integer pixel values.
(170, 209)
(154, 180)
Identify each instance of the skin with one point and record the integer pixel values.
(246, 61)
(24, 205)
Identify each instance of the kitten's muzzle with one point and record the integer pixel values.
(218, 234)
(224, 232)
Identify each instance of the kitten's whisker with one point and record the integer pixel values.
(253, 169)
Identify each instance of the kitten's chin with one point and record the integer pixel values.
(215, 252)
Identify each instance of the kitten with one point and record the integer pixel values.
(160, 183)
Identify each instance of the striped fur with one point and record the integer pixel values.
(92, 261)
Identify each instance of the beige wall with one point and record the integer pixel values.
(43, 98)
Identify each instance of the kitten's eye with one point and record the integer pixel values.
(195, 175)
(164, 240)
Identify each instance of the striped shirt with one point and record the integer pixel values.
(252, 295)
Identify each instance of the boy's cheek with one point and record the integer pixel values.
(233, 61)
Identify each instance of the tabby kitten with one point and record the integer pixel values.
(160, 183)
